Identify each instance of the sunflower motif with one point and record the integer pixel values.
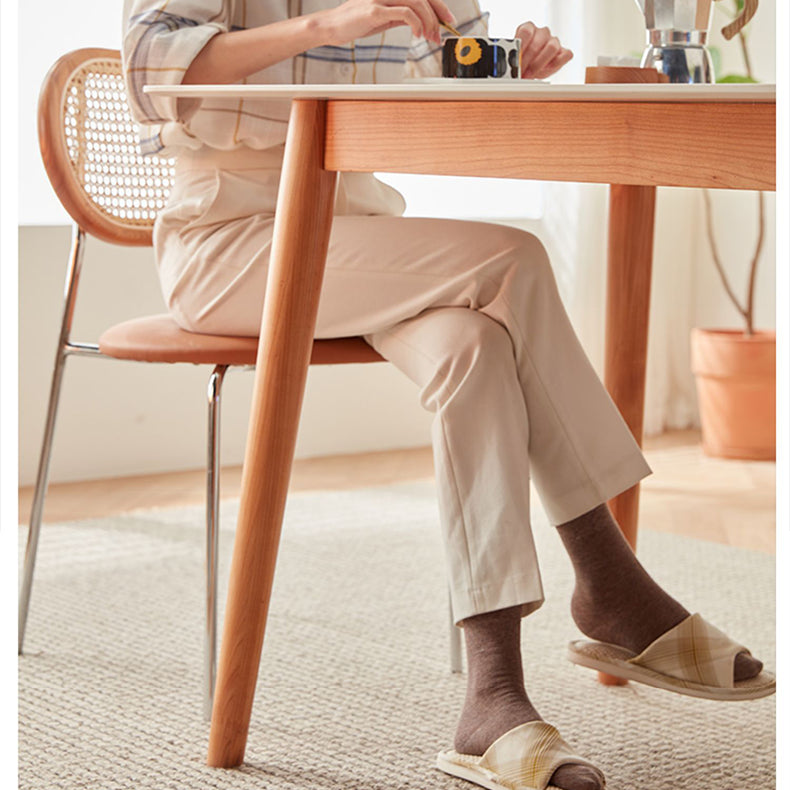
(467, 51)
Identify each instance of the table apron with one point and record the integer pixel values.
(728, 145)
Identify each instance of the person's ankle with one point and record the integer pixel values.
(632, 621)
(484, 718)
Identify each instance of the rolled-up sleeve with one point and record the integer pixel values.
(160, 41)
(425, 57)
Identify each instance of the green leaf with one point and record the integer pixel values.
(735, 78)
(720, 8)
(715, 55)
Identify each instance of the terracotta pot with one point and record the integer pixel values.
(736, 390)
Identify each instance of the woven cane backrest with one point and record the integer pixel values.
(90, 147)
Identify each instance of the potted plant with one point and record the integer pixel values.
(735, 369)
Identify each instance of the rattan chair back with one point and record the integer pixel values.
(90, 147)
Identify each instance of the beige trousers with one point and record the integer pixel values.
(471, 313)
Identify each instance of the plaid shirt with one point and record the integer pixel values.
(162, 37)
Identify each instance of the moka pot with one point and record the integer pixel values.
(677, 31)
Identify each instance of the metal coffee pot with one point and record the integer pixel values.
(677, 31)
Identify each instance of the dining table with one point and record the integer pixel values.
(633, 137)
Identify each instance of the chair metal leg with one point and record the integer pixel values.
(42, 477)
(456, 653)
(212, 534)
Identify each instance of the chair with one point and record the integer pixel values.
(89, 144)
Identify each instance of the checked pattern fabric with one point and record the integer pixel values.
(694, 651)
(528, 755)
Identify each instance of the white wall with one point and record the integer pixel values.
(47, 30)
(126, 418)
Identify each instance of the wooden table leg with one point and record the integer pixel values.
(301, 237)
(630, 263)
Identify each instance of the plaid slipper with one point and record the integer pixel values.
(524, 758)
(693, 658)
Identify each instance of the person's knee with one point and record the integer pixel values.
(532, 254)
(474, 350)
(522, 251)
(531, 274)
(484, 340)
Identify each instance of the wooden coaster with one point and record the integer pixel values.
(597, 75)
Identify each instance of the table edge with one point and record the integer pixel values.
(676, 94)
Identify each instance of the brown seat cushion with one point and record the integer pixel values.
(158, 338)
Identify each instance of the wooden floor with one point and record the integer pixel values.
(731, 502)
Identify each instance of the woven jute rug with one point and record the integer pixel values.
(355, 690)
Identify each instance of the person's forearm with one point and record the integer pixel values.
(229, 57)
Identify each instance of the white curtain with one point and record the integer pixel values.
(575, 225)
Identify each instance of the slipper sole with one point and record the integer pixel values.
(445, 762)
(612, 660)
(467, 772)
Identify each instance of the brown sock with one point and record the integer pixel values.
(496, 700)
(615, 599)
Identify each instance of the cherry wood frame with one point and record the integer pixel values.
(632, 145)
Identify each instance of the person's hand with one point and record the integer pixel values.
(541, 53)
(359, 18)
